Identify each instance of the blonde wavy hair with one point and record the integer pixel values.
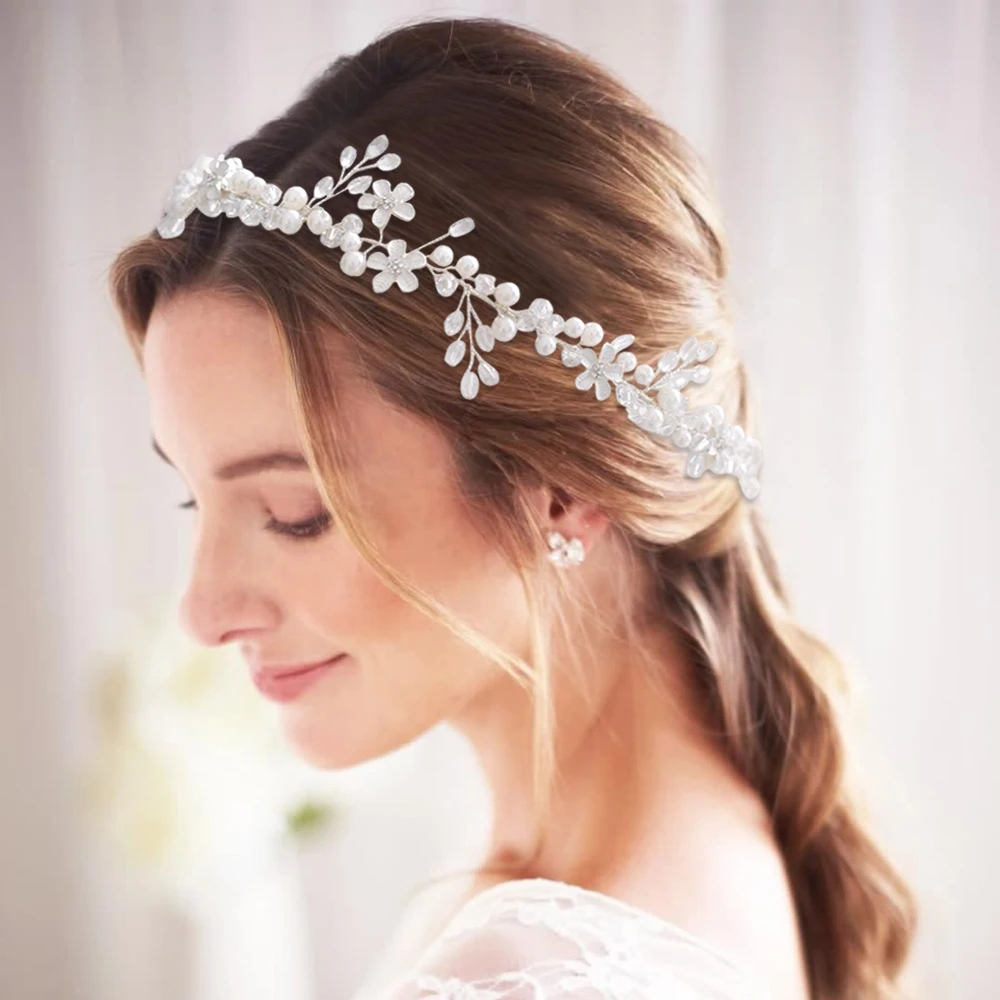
(582, 195)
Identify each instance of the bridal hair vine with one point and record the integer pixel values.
(651, 396)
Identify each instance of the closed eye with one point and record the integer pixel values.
(310, 528)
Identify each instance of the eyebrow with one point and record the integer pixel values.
(251, 463)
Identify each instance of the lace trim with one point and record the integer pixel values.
(615, 950)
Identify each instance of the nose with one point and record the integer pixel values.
(223, 601)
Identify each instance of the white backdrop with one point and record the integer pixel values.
(856, 151)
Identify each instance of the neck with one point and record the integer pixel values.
(630, 730)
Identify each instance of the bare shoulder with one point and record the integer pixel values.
(724, 881)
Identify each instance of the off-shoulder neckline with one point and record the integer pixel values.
(623, 906)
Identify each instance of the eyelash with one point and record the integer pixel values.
(300, 531)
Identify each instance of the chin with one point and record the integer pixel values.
(321, 747)
(323, 744)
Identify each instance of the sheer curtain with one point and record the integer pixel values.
(855, 148)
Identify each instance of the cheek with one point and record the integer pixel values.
(339, 596)
(403, 653)
(346, 600)
(408, 672)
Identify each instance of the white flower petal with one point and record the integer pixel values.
(407, 281)
(414, 260)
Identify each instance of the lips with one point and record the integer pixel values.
(287, 683)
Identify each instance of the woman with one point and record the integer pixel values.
(567, 566)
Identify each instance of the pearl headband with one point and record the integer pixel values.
(652, 397)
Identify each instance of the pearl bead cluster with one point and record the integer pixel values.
(651, 396)
(565, 552)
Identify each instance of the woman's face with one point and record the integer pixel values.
(218, 398)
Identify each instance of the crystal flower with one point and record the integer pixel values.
(603, 369)
(388, 201)
(397, 268)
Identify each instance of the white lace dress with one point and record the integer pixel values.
(539, 939)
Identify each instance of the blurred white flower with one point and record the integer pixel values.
(191, 778)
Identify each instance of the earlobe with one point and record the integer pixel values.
(574, 518)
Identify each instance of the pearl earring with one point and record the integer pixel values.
(566, 551)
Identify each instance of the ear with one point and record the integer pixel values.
(571, 517)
